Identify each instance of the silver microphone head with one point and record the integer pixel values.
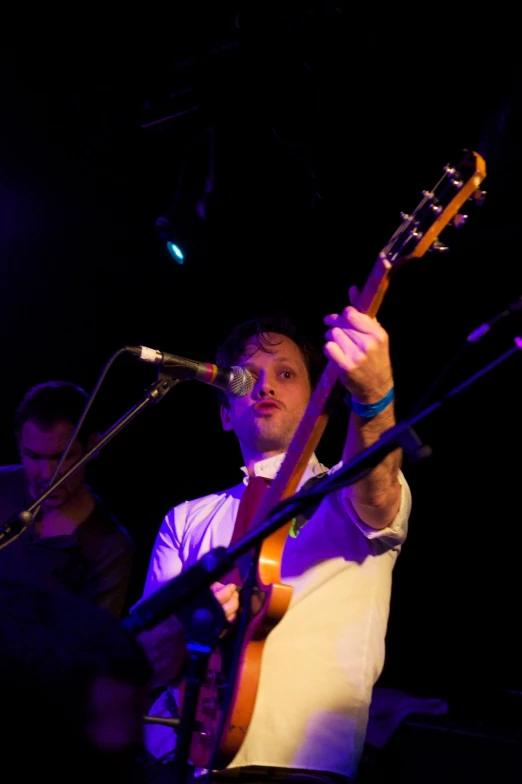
(241, 382)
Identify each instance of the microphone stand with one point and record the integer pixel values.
(165, 381)
(185, 589)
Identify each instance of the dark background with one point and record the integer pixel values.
(313, 127)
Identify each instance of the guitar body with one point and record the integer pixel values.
(225, 707)
(231, 705)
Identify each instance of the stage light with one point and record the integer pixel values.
(182, 227)
(182, 235)
(173, 241)
(176, 252)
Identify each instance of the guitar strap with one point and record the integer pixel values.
(303, 517)
(248, 506)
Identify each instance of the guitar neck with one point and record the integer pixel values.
(325, 397)
(417, 234)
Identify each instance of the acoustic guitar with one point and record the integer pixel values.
(225, 709)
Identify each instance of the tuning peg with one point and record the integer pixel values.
(438, 247)
(479, 197)
(459, 220)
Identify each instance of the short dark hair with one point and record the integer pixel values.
(47, 403)
(233, 348)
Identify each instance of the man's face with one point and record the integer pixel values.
(265, 420)
(40, 450)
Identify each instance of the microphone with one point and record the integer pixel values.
(479, 333)
(235, 381)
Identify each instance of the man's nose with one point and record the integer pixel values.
(265, 385)
(47, 468)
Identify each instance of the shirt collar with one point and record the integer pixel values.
(269, 467)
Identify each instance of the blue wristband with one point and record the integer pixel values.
(369, 410)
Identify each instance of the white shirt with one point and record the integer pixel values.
(321, 660)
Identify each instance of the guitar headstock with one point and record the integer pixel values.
(419, 231)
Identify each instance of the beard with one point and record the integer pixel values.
(273, 436)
